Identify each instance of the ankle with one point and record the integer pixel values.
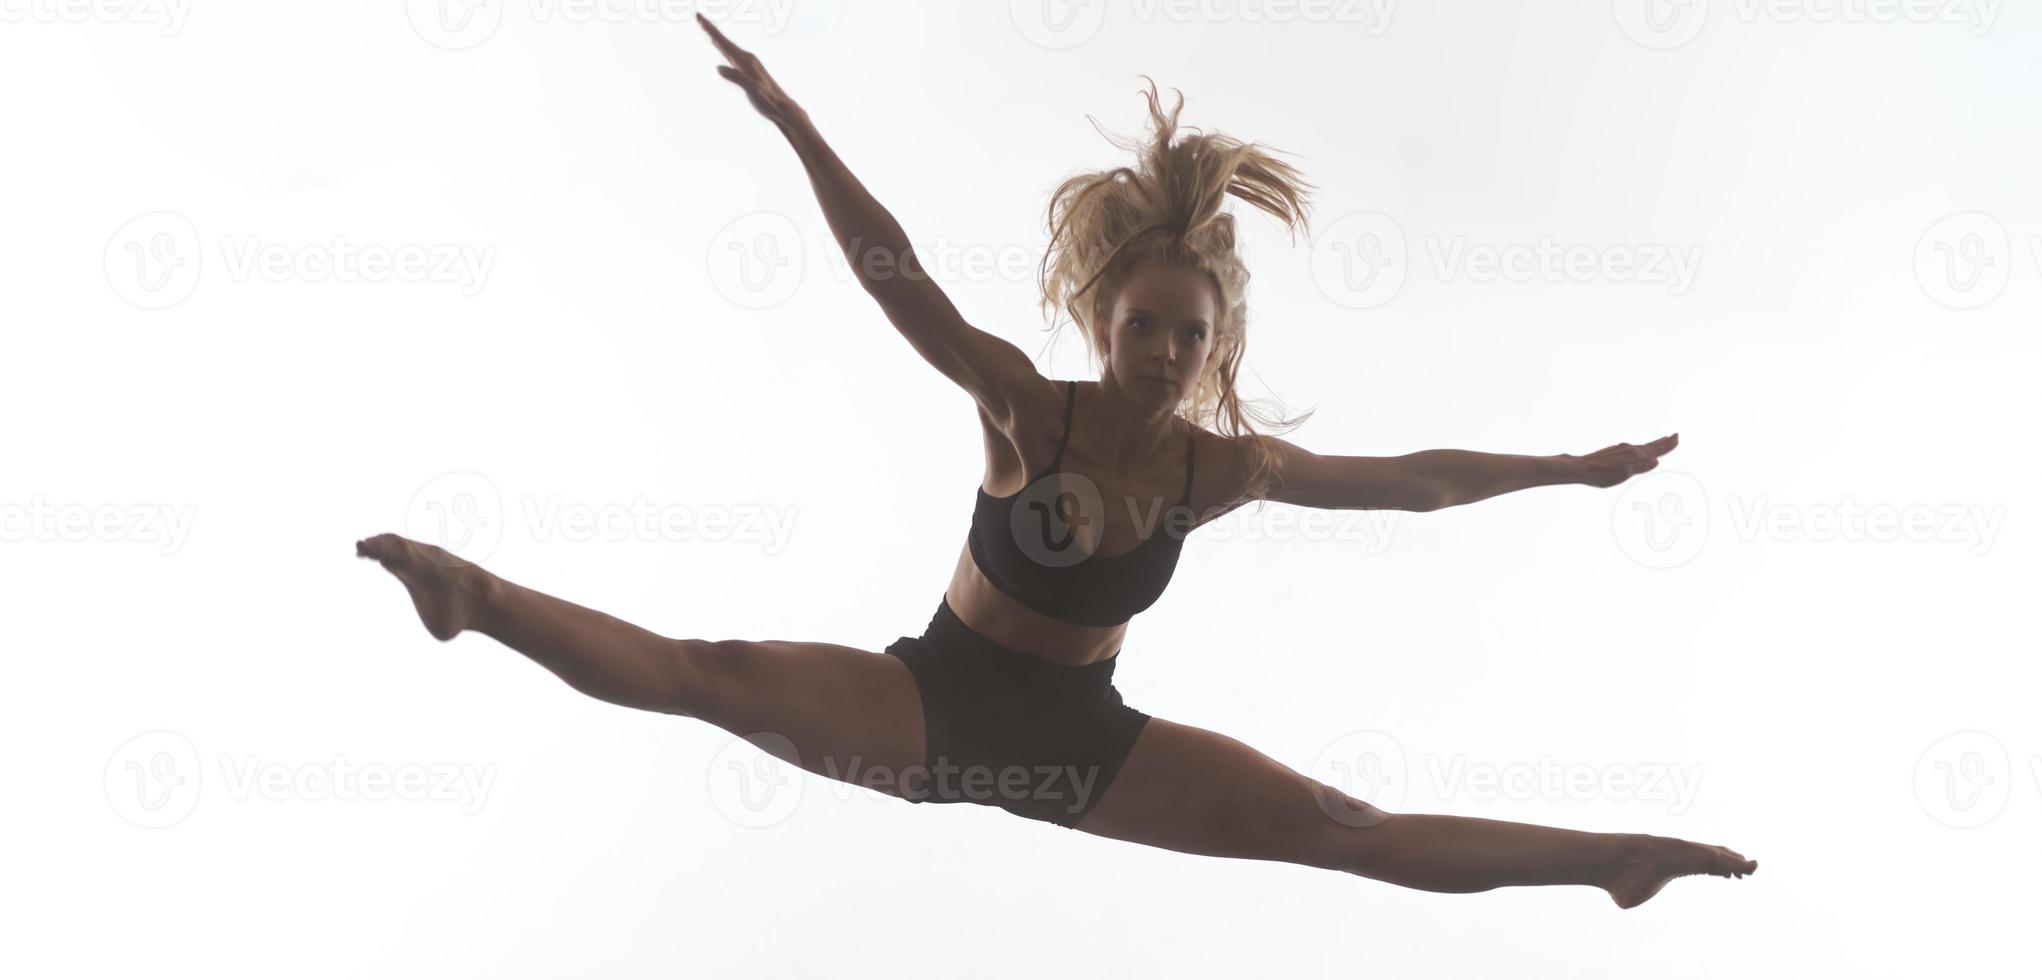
(1629, 850)
(488, 597)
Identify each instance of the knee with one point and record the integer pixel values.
(1346, 811)
(1361, 837)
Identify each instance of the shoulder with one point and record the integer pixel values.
(1024, 440)
(1223, 467)
(1037, 408)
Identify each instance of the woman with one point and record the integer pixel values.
(1007, 698)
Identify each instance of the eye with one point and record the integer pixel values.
(1139, 323)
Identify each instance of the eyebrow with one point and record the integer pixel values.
(1196, 320)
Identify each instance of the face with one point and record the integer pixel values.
(1162, 327)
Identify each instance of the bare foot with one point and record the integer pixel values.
(1658, 860)
(449, 593)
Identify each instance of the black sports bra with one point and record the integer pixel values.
(1024, 544)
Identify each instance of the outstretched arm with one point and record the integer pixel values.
(996, 373)
(1437, 478)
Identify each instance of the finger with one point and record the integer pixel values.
(730, 50)
(739, 79)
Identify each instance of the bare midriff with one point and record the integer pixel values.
(998, 617)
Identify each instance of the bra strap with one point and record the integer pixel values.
(1070, 411)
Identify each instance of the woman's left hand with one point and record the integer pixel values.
(1609, 467)
(748, 73)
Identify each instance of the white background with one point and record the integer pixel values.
(613, 355)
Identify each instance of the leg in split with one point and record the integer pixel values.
(842, 712)
(1191, 790)
(846, 711)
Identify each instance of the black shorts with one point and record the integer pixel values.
(1010, 729)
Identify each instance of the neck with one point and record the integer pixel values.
(1130, 430)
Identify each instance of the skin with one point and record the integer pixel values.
(1181, 788)
(1127, 438)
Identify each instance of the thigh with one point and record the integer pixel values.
(1197, 791)
(832, 710)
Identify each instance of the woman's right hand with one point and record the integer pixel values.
(747, 73)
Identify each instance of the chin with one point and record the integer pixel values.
(1165, 396)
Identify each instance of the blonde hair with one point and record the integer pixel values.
(1167, 208)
